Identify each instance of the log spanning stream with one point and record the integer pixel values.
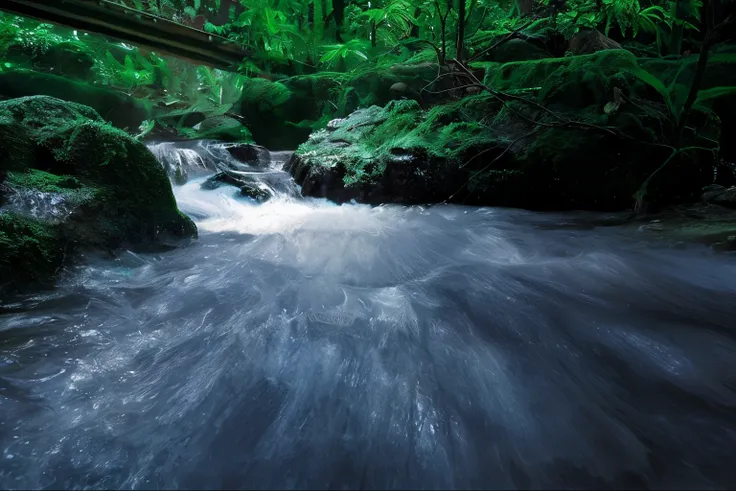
(301, 344)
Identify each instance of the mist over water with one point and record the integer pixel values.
(301, 344)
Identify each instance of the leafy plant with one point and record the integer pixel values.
(335, 52)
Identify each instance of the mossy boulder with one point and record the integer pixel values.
(587, 134)
(119, 109)
(572, 82)
(73, 182)
(31, 252)
(517, 50)
(590, 41)
(398, 153)
(318, 98)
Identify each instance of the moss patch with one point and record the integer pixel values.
(31, 252)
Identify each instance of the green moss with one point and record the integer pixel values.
(372, 139)
(574, 82)
(73, 191)
(132, 183)
(31, 251)
(43, 181)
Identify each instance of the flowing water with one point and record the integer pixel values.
(301, 344)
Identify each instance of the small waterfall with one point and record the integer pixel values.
(258, 172)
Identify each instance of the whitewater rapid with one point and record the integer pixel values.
(301, 344)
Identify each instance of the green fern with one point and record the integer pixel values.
(336, 52)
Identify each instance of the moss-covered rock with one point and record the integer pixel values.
(517, 50)
(281, 114)
(572, 82)
(398, 153)
(74, 182)
(588, 136)
(119, 109)
(31, 252)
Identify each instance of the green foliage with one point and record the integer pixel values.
(334, 53)
(674, 88)
(631, 17)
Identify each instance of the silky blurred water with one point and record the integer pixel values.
(300, 344)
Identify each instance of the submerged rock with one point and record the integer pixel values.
(720, 195)
(75, 183)
(590, 135)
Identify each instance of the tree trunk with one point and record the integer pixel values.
(338, 9)
(699, 72)
(415, 27)
(525, 7)
(677, 28)
(444, 42)
(443, 27)
(460, 40)
(319, 24)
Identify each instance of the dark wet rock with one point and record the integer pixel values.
(255, 192)
(249, 187)
(589, 41)
(76, 184)
(518, 50)
(249, 154)
(720, 195)
(221, 179)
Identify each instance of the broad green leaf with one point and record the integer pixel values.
(714, 93)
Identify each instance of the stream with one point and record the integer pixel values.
(302, 344)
